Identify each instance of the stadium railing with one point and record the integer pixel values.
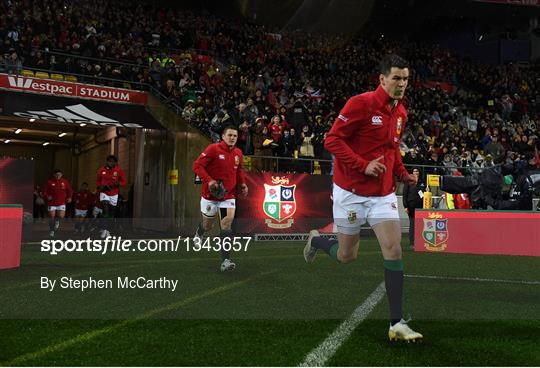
(83, 78)
(317, 165)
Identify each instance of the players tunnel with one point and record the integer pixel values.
(75, 135)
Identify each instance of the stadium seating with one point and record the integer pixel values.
(453, 106)
(27, 73)
(42, 75)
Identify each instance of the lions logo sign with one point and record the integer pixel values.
(435, 233)
(280, 205)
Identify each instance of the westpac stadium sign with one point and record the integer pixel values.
(69, 89)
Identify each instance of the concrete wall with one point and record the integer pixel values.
(177, 205)
(44, 158)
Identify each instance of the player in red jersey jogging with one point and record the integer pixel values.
(109, 180)
(83, 200)
(57, 192)
(220, 167)
(365, 143)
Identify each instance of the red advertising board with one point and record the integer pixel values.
(17, 182)
(70, 89)
(10, 236)
(477, 232)
(284, 203)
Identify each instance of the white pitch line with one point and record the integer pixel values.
(320, 355)
(476, 279)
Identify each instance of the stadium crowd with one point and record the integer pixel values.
(283, 91)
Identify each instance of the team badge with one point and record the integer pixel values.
(236, 160)
(279, 205)
(115, 173)
(351, 217)
(435, 233)
(399, 125)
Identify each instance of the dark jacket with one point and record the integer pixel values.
(411, 196)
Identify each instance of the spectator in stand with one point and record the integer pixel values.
(488, 161)
(434, 164)
(413, 159)
(270, 75)
(306, 149)
(525, 146)
(3, 65)
(495, 149)
(288, 145)
(449, 164)
(276, 129)
(244, 138)
(13, 64)
(261, 144)
(298, 114)
(189, 110)
(421, 144)
(504, 142)
(242, 114)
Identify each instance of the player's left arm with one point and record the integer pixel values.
(399, 169)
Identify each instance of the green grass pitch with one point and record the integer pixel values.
(271, 311)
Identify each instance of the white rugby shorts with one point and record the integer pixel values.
(57, 208)
(351, 211)
(210, 208)
(80, 213)
(113, 200)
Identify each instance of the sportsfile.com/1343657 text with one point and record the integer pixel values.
(117, 244)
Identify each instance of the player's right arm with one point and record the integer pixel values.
(201, 163)
(346, 126)
(47, 191)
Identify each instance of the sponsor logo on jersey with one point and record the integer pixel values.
(343, 118)
(376, 120)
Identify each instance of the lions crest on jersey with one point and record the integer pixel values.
(399, 125)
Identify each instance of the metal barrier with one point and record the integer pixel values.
(324, 166)
(88, 79)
